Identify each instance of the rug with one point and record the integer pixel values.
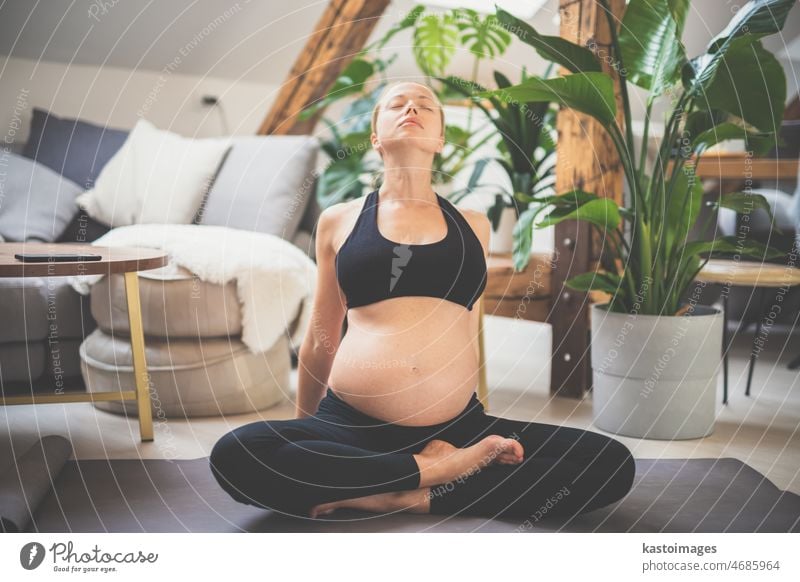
(668, 495)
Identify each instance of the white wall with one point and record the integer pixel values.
(117, 97)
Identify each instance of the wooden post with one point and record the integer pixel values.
(586, 160)
(341, 33)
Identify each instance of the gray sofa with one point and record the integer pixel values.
(45, 321)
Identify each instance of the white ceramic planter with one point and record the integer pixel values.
(655, 376)
(502, 240)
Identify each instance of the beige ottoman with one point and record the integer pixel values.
(196, 361)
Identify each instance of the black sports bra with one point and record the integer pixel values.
(371, 268)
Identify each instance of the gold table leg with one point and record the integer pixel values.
(139, 363)
(483, 388)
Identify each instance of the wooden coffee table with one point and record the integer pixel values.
(114, 260)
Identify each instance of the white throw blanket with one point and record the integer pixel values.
(274, 278)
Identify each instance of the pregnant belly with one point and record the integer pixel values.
(400, 379)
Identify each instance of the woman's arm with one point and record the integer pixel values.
(483, 229)
(319, 346)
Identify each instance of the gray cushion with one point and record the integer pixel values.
(76, 149)
(264, 185)
(187, 377)
(22, 309)
(40, 308)
(173, 306)
(21, 361)
(36, 203)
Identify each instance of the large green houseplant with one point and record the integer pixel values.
(736, 90)
(654, 374)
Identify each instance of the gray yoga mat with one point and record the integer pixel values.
(26, 481)
(668, 495)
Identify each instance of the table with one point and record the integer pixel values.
(748, 274)
(114, 260)
(741, 166)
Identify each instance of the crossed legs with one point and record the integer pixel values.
(491, 467)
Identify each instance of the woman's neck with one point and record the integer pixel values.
(409, 178)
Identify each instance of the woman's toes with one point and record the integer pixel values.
(322, 509)
(509, 450)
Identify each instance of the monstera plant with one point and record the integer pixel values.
(735, 90)
(654, 374)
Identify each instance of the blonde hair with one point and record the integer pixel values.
(376, 109)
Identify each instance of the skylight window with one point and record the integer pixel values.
(524, 9)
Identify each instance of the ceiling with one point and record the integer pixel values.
(254, 40)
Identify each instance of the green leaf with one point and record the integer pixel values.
(590, 93)
(357, 116)
(756, 19)
(683, 206)
(750, 84)
(606, 282)
(483, 37)
(349, 82)
(340, 181)
(602, 212)
(732, 244)
(435, 43)
(523, 238)
(650, 41)
(760, 143)
(571, 199)
(477, 172)
(501, 80)
(573, 57)
(495, 211)
(745, 203)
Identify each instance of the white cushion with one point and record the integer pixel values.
(156, 177)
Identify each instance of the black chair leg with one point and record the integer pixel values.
(753, 353)
(794, 364)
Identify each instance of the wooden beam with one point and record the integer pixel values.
(587, 160)
(340, 34)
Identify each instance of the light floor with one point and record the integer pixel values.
(760, 430)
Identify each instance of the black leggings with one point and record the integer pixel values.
(341, 453)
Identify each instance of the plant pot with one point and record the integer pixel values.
(655, 376)
(502, 240)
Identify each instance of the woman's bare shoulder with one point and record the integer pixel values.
(336, 220)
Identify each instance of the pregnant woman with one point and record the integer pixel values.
(387, 418)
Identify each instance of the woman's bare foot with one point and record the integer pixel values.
(440, 462)
(412, 501)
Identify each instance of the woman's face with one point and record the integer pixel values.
(409, 116)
